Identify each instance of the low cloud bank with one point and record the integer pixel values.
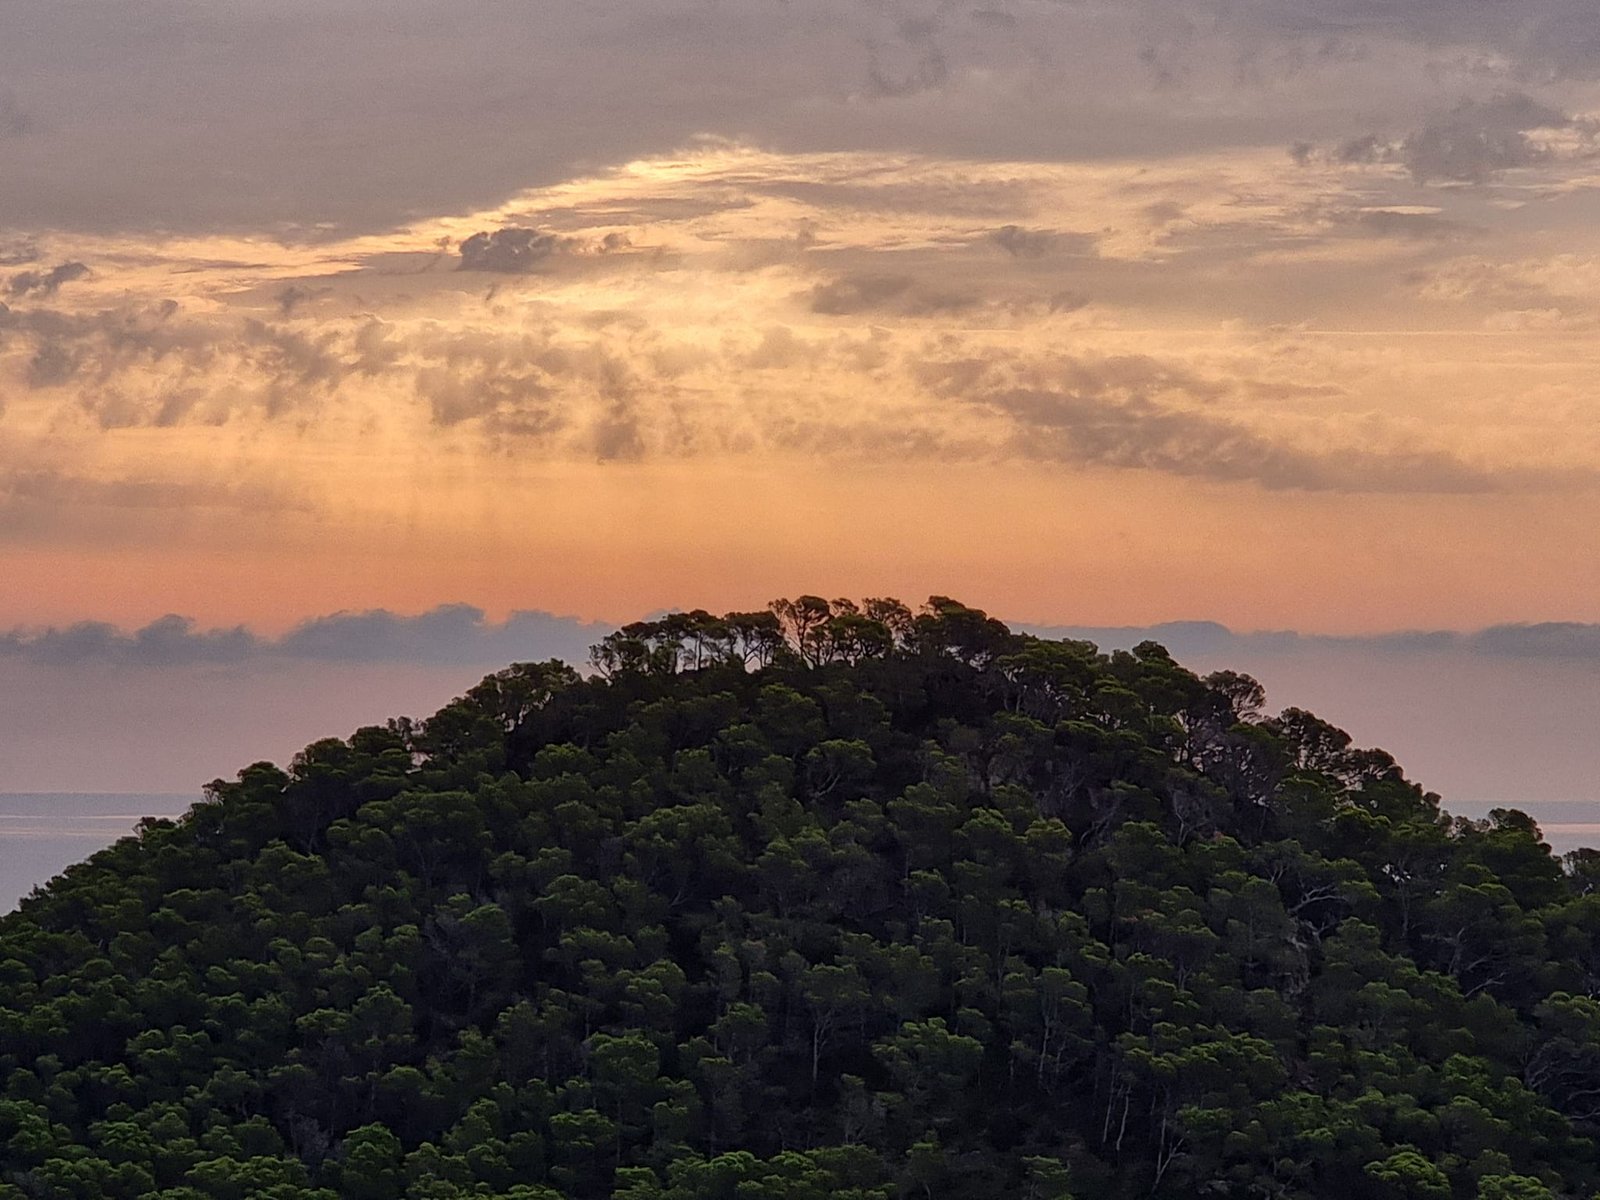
(173, 705)
(463, 635)
(450, 634)
(1570, 641)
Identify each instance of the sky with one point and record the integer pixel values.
(1278, 314)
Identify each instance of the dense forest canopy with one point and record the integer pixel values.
(826, 902)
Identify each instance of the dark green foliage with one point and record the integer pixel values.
(833, 902)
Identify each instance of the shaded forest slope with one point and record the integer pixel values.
(830, 901)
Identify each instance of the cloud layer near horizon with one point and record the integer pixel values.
(462, 635)
(174, 704)
(451, 634)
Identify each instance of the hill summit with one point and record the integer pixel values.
(831, 901)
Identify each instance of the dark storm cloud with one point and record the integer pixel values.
(449, 634)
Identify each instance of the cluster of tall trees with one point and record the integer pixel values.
(832, 902)
(809, 631)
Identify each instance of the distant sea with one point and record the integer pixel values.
(1560, 821)
(43, 833)
(1569, 835)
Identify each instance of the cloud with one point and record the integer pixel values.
(52, 365)
(1024, 243)
(1554, 641)
(462, 635)
(291, 296)
(44, 507)
(521, 249)
(518, 400)
(1415, 223)
(865, 292)
(913, 61)
(1472, 143)
(1560, 291)
(1357, 151)
(1402, 223)
(626, 391)
(53, 489)
(45, 283)
(925, 350)
(170, 641)
(451, 634)
(852, 294)
(1142, 413)
(1478, 139)
(1136, 432)
(154, 364)
(159, 366)
(1537, 38)
(515, 250)
(1549, 639)
(418, 117)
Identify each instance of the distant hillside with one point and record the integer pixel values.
(827, 902)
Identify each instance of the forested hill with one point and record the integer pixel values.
(830, 902)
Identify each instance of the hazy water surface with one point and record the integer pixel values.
(1565, 824)
(43, 833)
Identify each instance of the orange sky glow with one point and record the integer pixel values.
(726, 373)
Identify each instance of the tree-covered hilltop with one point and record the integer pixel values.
(829, 902)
